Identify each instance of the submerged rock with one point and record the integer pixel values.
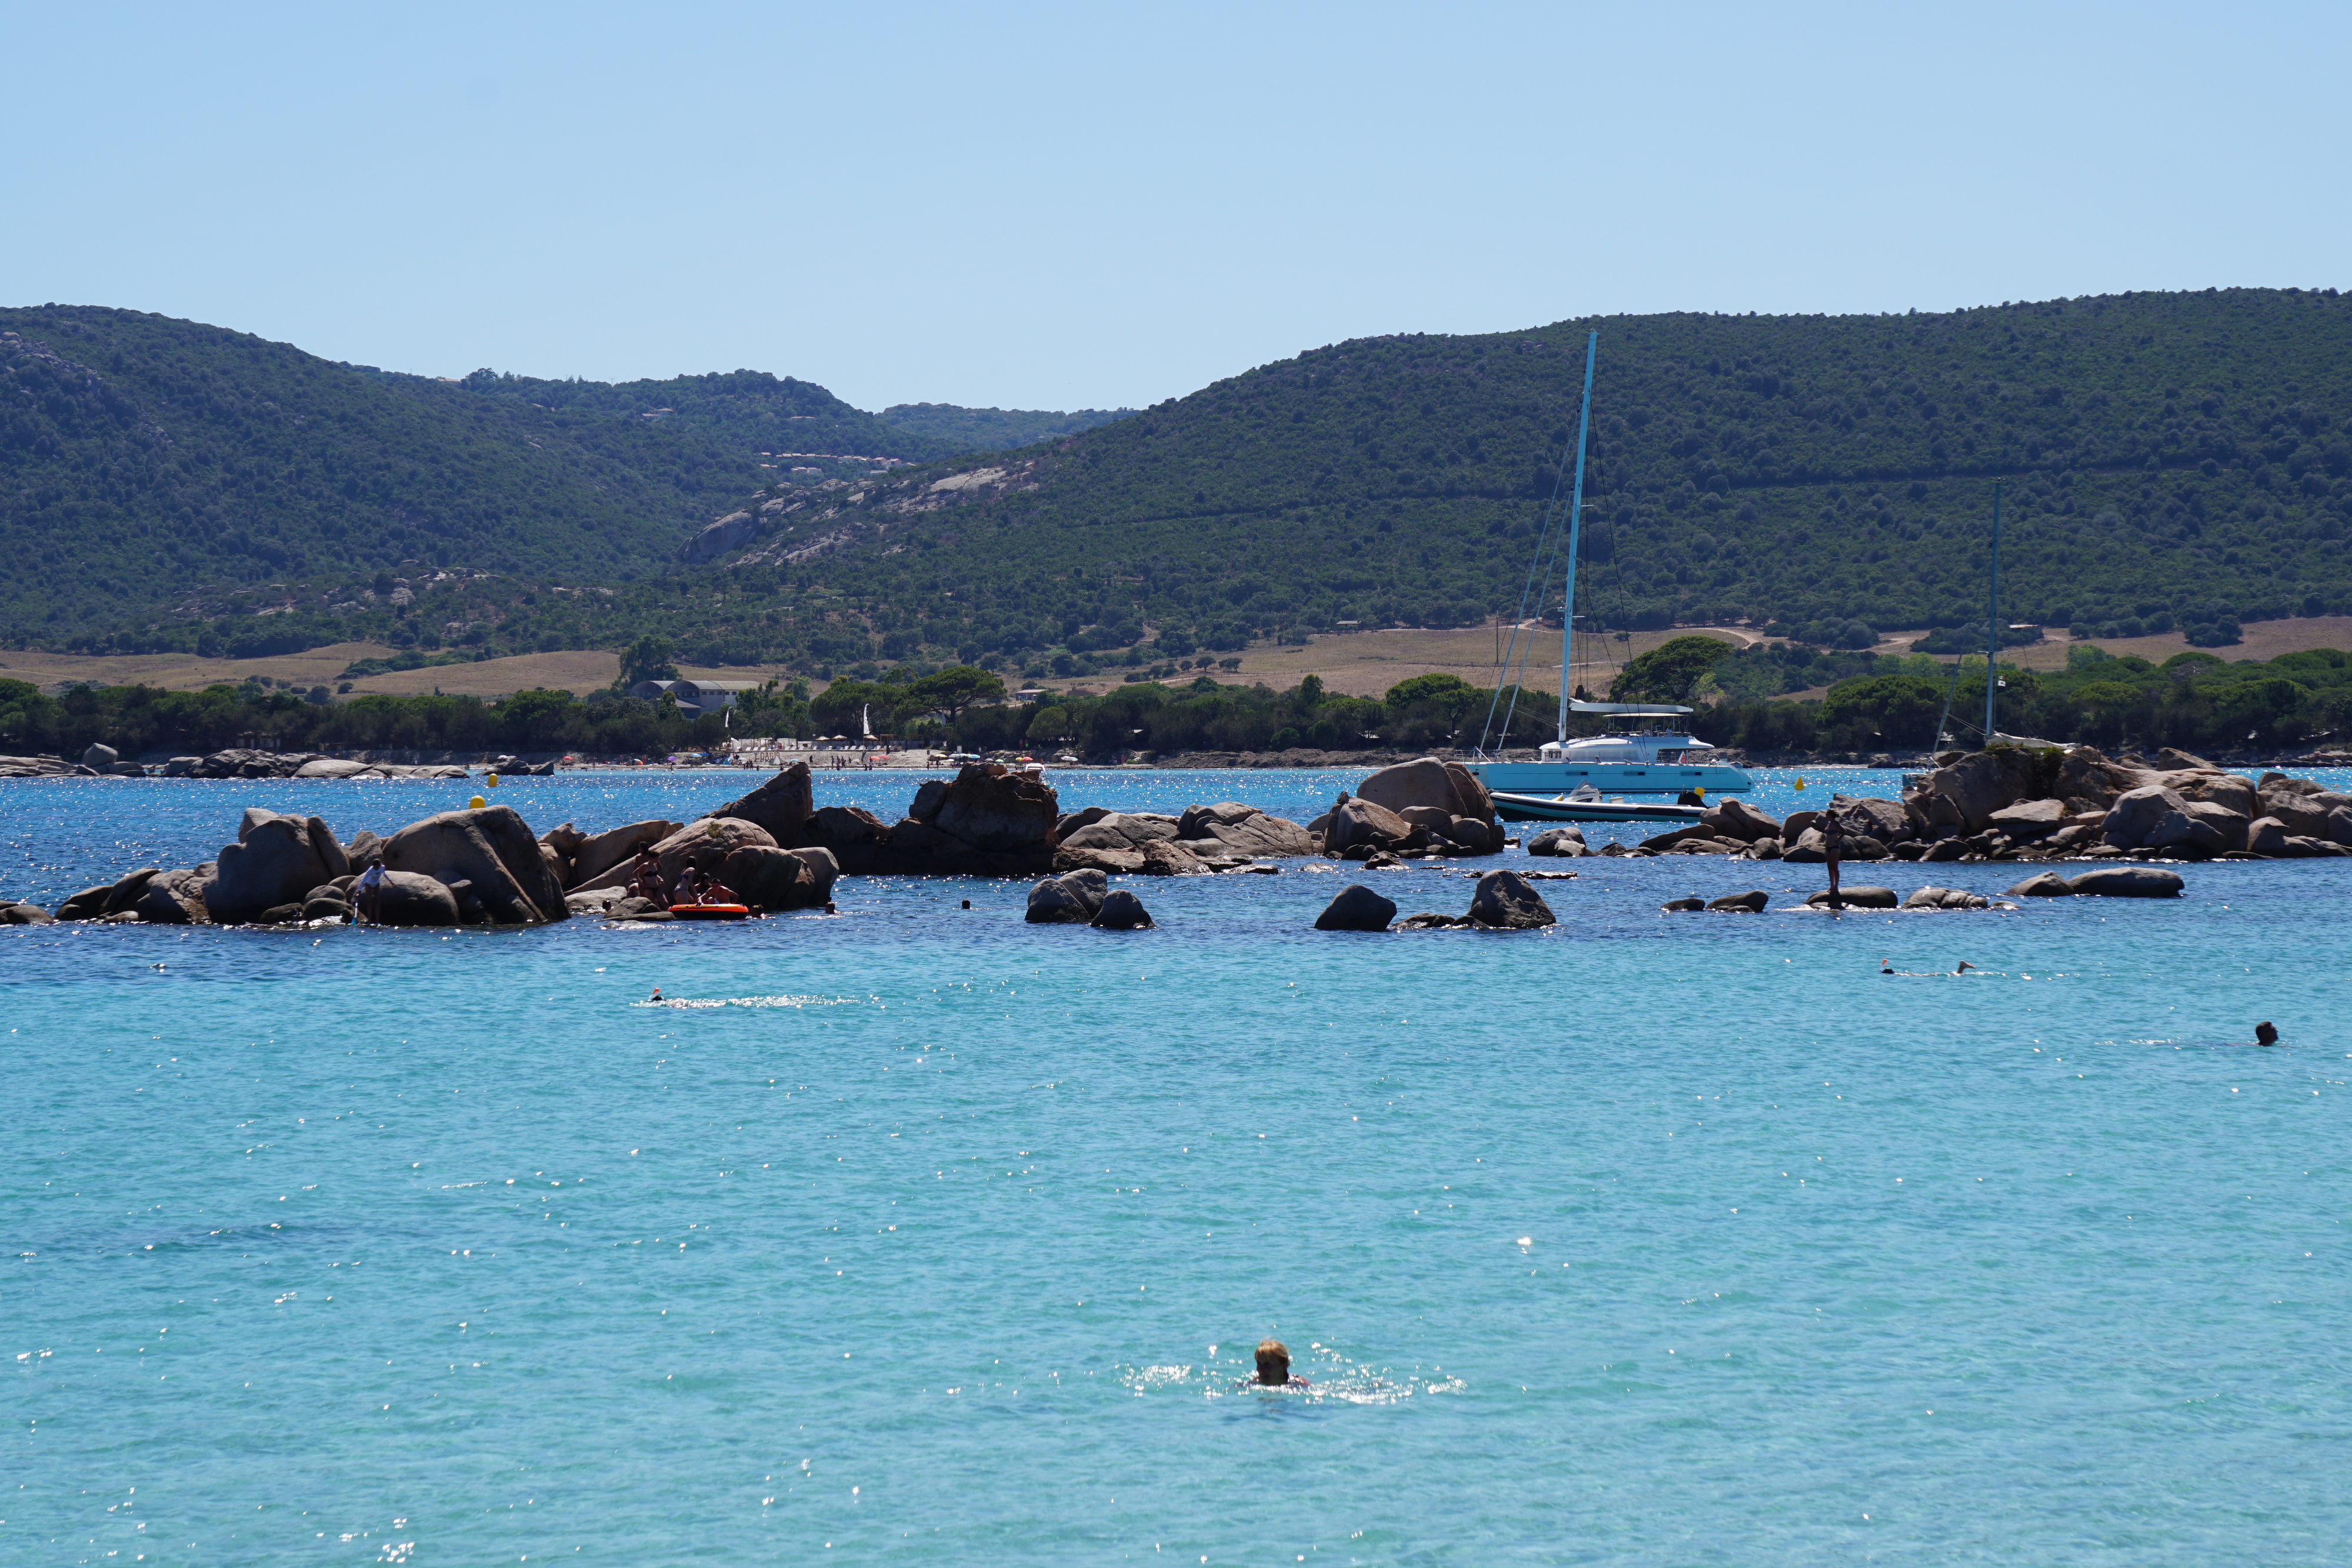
(1565, 839)
(1752, 902)
(1859, 898)
(1948, 898)
(1121, 910)
(2127, 882)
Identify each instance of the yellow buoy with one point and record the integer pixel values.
(477, 802)
(1800, 783)
(492, 780)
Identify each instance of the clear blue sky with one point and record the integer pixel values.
(1063, 207)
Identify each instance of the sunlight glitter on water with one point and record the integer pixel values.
(1688, 1219)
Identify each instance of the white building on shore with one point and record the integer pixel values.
(695, 698)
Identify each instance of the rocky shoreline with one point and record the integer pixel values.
(774, 847)
(779, 850)
(2020, 803)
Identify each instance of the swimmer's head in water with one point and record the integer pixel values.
(1273, 1361)
(2266, 1033)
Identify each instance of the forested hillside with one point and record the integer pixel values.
(748, 412)
(142, 458)
(994, 429)
(2167, 460)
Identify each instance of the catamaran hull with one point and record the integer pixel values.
(1544, 808)
(1610, 777)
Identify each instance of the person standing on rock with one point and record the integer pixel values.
(371, 893)
(1832, 844)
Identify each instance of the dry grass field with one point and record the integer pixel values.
(1367, 664)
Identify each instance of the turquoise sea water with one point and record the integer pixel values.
(916, 1234)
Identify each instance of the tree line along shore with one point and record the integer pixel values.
(2297, 706)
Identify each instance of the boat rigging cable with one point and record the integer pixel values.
(1993, 640)
(1539, 575)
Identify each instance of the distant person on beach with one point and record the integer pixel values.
(370, 893)
(1273, 1367)
(1832, 844)
(2266, 1033)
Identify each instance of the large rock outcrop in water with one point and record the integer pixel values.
(488, 852)
(2025, 803)
(275, 861)
(988, 821)
(782, 805)
(1451, 810)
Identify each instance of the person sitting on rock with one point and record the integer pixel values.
(1274, 1367)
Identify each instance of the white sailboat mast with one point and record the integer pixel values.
(1575, 516)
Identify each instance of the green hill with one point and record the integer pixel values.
(994, 429)
(146, 458)
(749, 412)
(2168, 459)
(148, 463)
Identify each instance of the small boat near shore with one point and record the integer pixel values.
(1516, 808)
(710, 911)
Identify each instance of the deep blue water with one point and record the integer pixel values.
(918, 1235)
